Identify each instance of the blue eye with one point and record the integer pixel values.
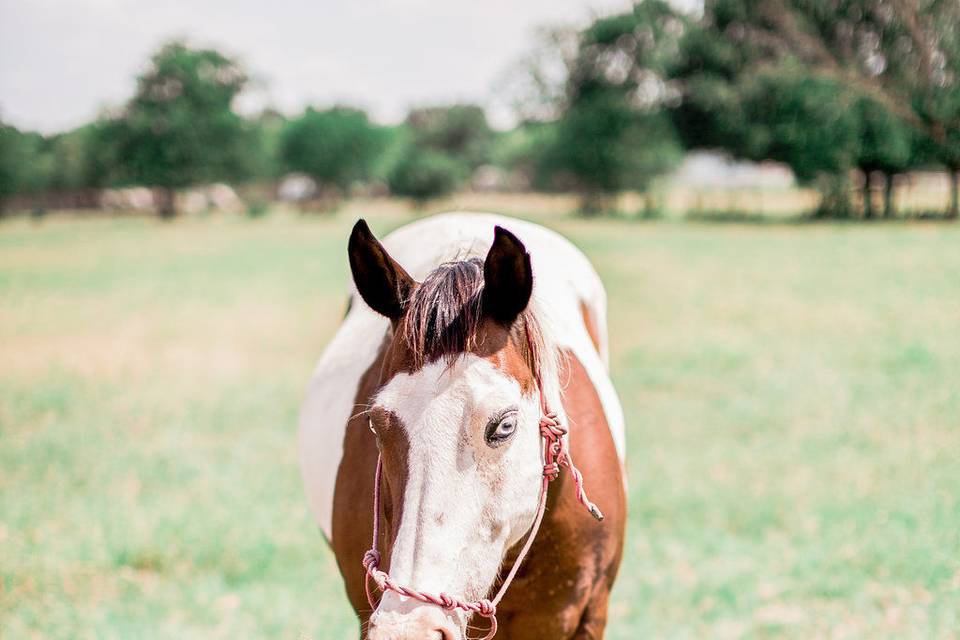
(501, 428)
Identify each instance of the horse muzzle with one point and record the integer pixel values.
(423, 622)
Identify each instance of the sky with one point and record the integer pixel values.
(64, 61)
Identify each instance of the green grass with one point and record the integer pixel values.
(792, 396)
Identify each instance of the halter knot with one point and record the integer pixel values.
(486, 608)
(551, 471)
(550, 423)
(447, 601)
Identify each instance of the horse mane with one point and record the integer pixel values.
(445, 313)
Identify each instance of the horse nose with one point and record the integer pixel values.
(380, 633)
(406, 632)
(436, 634)
(423, 623)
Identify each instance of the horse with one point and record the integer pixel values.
(470, 371)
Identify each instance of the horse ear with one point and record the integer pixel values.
(507, 278)
(382, 283)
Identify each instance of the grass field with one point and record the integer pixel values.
(792, 396)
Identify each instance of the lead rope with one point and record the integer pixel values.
(556, 454)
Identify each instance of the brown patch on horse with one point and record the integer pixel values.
(591, 325)
(353, 493)
(563, 586)
(508, 350)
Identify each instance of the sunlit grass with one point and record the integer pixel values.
(792, 396)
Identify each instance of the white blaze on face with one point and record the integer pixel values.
(465, 502)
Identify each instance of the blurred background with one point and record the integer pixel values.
(769, 189)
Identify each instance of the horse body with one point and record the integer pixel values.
(456, 510)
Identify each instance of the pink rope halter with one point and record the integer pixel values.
(556, 454)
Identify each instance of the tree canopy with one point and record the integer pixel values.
(894, 68)
(835, 89)
(180, 128)
(611, 133)
(335, 147)
(439, 149)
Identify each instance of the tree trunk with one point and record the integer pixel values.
(167, 202)
(867, 197)
(593, 202)
(954, 210)
(888, 207)
(835, 200)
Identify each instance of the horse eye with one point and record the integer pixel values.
(501, 428)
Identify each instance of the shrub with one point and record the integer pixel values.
(423, 174)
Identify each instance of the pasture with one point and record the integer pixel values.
(792, 395)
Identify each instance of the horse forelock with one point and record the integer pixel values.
(443, 315)
(445, 319)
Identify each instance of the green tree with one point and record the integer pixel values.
(743, 91)
(928, 71)
(102, 166)
(804, 121)
(602, 145)
(26, 163)
(336, 147)
(524, 151)
(906, 56)
(611, 134)
(14, 162)
(437, 149)
(902, 55)
(180, 129)
(459, 131)
(267, 129)
(422, 174)
(84, 158)
(886, 147)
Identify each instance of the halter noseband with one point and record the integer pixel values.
(556, 454)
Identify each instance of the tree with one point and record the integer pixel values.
(267, 129)
(777, 112)
(459, 131)
(437, 149)
(26, 163)
(886, 147)
(915, 51)
(611, 134)
(904, 55)
(524, 152)
(70, 162)
(180, 129)
(602, 146)
(336, 147)
(804, 121)
(101, 140)
(83, 158)
(747, 88)
(14, 162)
(423, 174)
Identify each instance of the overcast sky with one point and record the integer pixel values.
(62, 61)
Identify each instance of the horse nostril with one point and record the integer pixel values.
(444, 633)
